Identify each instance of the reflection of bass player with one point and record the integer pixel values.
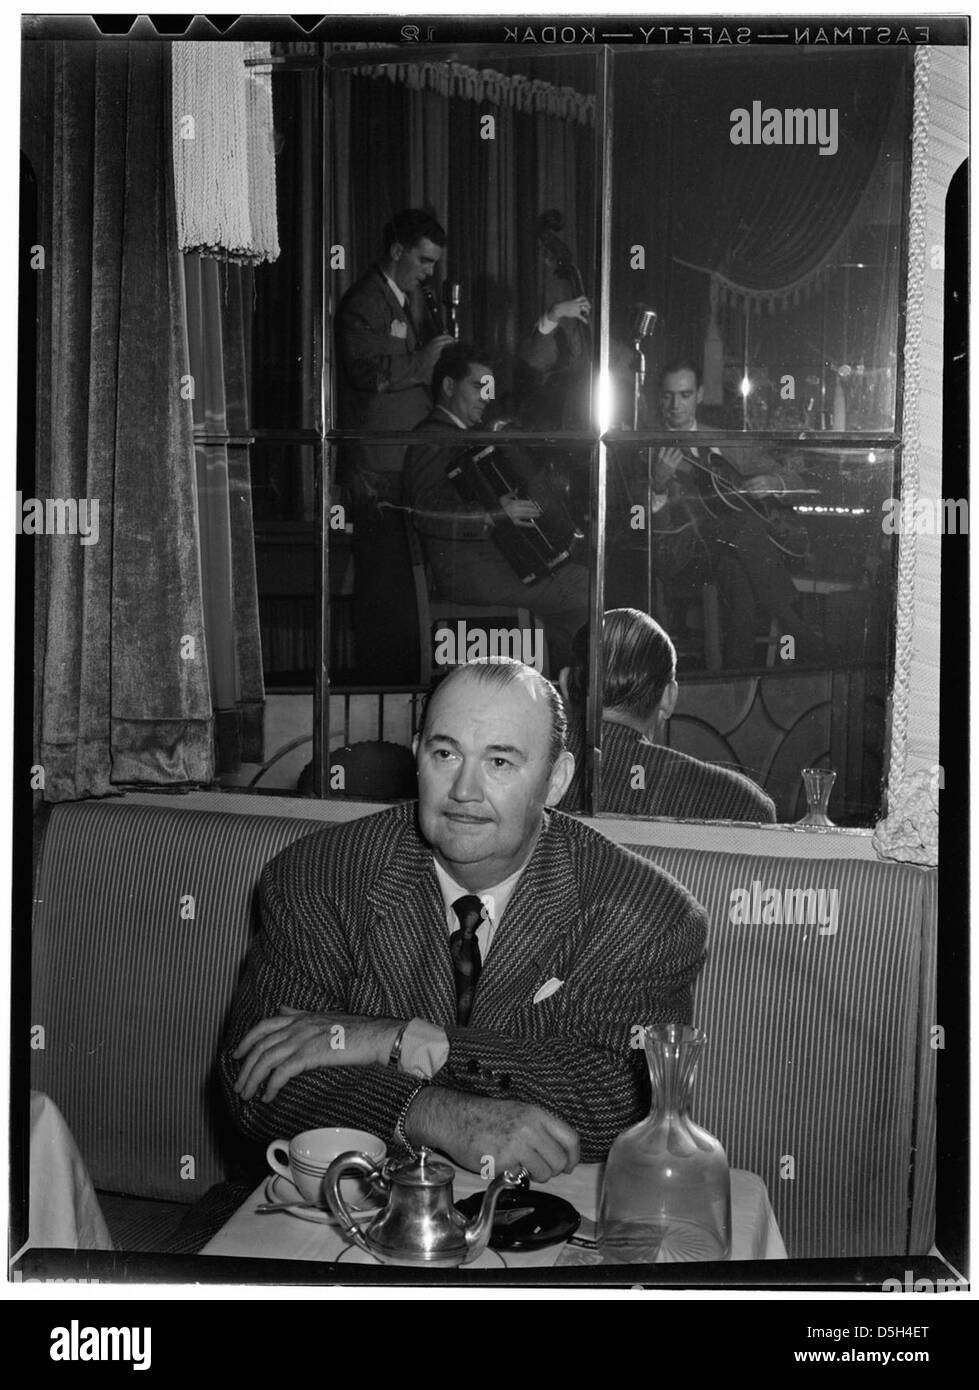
(553, 375)
(459, 527)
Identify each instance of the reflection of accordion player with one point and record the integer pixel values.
(536, 540)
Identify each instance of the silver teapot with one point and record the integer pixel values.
(419, 1225)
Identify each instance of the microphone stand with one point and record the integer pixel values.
(639, 381)
(646, 319)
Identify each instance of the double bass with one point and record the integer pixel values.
(556, 391)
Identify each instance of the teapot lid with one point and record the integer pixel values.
(423, 1171)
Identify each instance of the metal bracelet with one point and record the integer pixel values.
(399, 1125)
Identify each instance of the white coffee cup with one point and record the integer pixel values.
(309, 1154)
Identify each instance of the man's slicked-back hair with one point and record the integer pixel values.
(410, 226)
(682, 364)
(455, 361)
(639, 661)
(503, 671)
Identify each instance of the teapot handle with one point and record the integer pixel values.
(348, 1163)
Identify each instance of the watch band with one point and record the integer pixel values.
(394, 1057)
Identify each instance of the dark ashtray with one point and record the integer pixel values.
(526, 1220)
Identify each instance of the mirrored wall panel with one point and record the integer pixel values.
(500, 155)
(758, 204)
(749, 615)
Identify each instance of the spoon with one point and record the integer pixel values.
(264, 1207)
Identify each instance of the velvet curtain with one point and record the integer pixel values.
(121, 648)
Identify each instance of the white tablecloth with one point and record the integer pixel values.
(281, 1236)
(64, 1210)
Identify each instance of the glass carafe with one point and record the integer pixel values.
(666, 1193)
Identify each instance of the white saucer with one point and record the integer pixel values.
(353, 1255)
(280, 1189)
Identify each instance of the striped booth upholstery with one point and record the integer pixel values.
(141, 923)
(817, 1073)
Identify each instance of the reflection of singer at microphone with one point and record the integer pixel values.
(451, 298)
(644, 321)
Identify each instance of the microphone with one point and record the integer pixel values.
(434, 312)
(452, 298)
(644, 320)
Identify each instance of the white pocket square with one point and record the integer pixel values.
(546, 990)
(399, 329)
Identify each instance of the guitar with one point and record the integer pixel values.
(720, 492)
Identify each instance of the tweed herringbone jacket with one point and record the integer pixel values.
(353, 921)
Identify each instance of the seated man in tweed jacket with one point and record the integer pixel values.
(639, 691)
(358, 1009)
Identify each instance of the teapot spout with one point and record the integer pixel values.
(478, 1231)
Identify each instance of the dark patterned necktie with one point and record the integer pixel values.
(466, 960)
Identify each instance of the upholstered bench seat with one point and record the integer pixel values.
(817, 1073)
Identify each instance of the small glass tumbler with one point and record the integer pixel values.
(818, 783)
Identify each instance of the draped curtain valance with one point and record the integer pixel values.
(530, 95)
(788, 211)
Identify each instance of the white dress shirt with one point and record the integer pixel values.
(424, 1045)
(396, 290)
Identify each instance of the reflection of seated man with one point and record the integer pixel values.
(466, 563)
(711, 520)
(640, 777)
(484, 957)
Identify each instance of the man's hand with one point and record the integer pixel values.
(432, 351)
(764, 485)
(471, 1129)
(667, 462)
(521, 510)
(294, 1041)
(579, 308)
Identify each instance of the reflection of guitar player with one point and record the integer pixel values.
(467, 564)
(713, 516)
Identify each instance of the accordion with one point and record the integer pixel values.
(536, 548)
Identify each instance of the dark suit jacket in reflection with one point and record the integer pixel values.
(354, 921)
(437, 510)
(383, 385)
(675, 784)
